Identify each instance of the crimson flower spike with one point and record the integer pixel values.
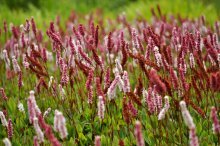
(15, 32)
(52, 28)
(92, 29)
(5, 27)
(110, 43)
(48, 131)
(33, 25)
(89, 79)
(76, 34)
(81, 30)
(27, 26)
(155, 79)
(72, 46)
(96, 36)
(10, 129)
(107, 80)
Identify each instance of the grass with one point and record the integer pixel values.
(49, 10)
(186, 8)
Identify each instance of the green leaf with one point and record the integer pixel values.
(82, 137)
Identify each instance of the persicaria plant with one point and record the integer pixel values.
(128, 83)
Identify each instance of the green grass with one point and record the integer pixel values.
(48, 10)
(186, 8)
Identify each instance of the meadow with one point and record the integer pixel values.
(109, 73)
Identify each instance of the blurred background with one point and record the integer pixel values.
(17, 11)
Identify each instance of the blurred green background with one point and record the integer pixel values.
(17, 11)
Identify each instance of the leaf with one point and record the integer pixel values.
(115, 141)
(71, 141)
(82, 137)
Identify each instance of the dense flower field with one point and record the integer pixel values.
(110, 82)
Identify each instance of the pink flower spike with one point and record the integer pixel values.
(2, 91)
(216, 124)
(112, 88)
(193, 138)
(60, 124)
(97, 141)
(126, 81)
(40, 134)
(138, 134)
(16, 67)
(101, 107)
(186, 115)
(3, 119)
(64, 77)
